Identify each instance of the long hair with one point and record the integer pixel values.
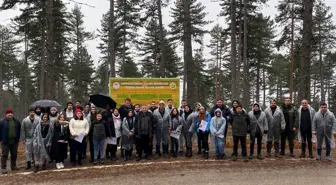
(177, 113)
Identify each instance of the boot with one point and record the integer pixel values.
(292, 152)
(206, 155)
(36, 168)
(259, 157)
(269, 148)
(28, 165)
(44, 167)
(130, 154)
(303, 154)
(311, 155)
(122, 153)
(319, 154)
(126, 155)
(276, 147)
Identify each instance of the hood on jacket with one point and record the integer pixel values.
(218, 110)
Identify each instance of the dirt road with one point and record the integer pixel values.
(193, 171)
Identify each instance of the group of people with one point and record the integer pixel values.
(47, 135)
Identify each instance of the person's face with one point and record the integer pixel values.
(161, 106)
(174, 112)
(45, 118)
(183, 103)
(235, 104)
(273, 104)
(218, 114)
(9, 115)
(38, 110)
(170, 103)
(116, 112)
(62, 118)
(130, 114)
(31, 114)
(324, 108)
(153, 105)
(256, 108)
(69, 106)
(202, 110)
(239, 109)
(219, 103)
(78, 104)
(304, 104)
(187, 109)
(79, 114)
(99, 117)
(93, 110)
(53, 111)
(137, 108)
(87, 108)
(287, 101)
(144, 109)
(127, 103)
(108, 108)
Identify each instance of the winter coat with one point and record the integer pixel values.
(169, 109)
(99, 130)
(195, 126)
(240, 124)
(312, 115)
(176, 124)
(107, 115)
(65, 115)
(293, 117)
(188, 122)
(128, 127)
(123, 111)
(42, 145)
(28, 127)
(144, 124)
(276, 123)
(78, 126)
(216, 127)
(60, 132)
(324, 124)
(225, 112)
(161, 123)
(261, 122)
(110, 128)
(4, 129)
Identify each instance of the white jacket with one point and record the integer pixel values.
(78, 126)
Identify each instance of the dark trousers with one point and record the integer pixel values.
(242, 140)
(61, 152)
(204, 137)
(225, 133)
(91, 149)
(259, 143)
(174, 145)
(199, 142)
(143, 145)
(306, 136)
(6, 148)
(287, 134)
(114, 148)
(76, 149)
(84, 150)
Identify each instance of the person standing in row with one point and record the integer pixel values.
(175, 125)
(161, 117)
(38, 111)
(27, 134)
(144, 125)
(128, 134)
(258, 127)
(10, 130)
(203, 115)
(240, 126)
(292, 124)
(99, 128)
(68, 112)
(306, 117)
(123, 111)
(182, 139)
(60, 139)
(217, 128)
(116, 121)
(188, 117)
(276, 125)
(42, 142)
(78, 125)
(53, 114)
(91, 118)
(324, 126)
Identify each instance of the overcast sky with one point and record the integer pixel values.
(94, 15)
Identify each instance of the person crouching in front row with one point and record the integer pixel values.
(240, 125)
(217, 129)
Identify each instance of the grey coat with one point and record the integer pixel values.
(176, 124)
(188, 123)
(324, 124)
(276, 124)
(261, 123)
(161, 123)
(42, 145)
(28, 128)
(312, 115)
(128, 141)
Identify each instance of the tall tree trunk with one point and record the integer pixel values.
(304, 85)
(188, 57)
(240, 49)
(162, 52)
(246, 94)
(51, 73)
(1, 67)
(258, 82)
(111, 43)
(321, 65)
(124, 42)
(233, 50)
(42, 80)
(291, 83)
(26, 73)
(264, 88)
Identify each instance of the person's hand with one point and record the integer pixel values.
(294, 129)
(130, 134)
(169, 131)
(85, 134)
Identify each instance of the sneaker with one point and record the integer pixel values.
(4, 171)
(251, 157)
(303, 155)
(58, 166)
(277, 154)
(329, 158)
(95, 162)
(318, 158)
(311, 156)
(292, 155)
(234, 158)
(102, 161)
(14, 168)
(246, 159)
(259, 157)
(138, 158)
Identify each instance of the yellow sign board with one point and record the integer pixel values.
(144, 90)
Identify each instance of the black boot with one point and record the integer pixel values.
(269, 148)
(206, 155)
(28, 165)
(130, 154)
(36, 168)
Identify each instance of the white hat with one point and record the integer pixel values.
(161, 102)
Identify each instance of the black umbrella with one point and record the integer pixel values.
(101, 100)
(46, 103)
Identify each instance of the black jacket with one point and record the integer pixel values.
(59, 134)
(4, 129)
(100, 129)
(139, 124)
(240, 124)
(110, 129)
(123, 110)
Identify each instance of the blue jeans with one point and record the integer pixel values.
(326, 137)
(219, 145)
(98, 147)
